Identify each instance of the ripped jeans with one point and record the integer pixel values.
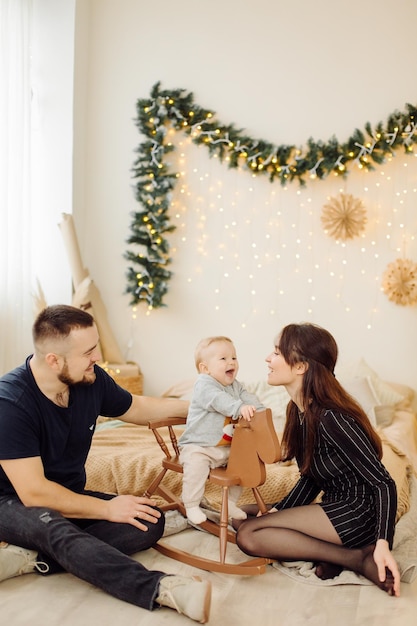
(94, 550)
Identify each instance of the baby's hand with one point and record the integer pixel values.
(247, 411)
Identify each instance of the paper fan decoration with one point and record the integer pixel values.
(399, 282)
(344, 217)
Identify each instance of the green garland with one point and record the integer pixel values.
(177, 109)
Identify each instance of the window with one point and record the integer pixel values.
(15, 149)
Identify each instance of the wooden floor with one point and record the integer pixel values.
(272, 599)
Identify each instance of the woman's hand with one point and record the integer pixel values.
(383, 558)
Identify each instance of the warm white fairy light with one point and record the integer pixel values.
(263, 231)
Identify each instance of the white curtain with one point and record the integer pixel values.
(16, 281)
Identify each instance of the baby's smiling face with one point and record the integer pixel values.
(220, 362)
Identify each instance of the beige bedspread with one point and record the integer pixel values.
(124, 459)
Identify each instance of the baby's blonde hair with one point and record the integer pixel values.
(203, 345)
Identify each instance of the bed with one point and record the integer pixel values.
(125, 458)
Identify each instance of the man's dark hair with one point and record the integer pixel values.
(58, 321)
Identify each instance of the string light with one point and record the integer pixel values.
(277, 235)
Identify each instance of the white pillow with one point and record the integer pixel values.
(274, 398)
(384, 393)
(363, 392)
(384, 415)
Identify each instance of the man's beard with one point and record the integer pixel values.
(64, 377)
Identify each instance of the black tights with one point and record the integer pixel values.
(306, 533)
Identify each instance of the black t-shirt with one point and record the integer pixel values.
(31, 425)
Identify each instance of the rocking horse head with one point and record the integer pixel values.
(254, 443)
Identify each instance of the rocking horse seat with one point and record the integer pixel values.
(253, 444)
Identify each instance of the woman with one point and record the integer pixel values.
(338, 453)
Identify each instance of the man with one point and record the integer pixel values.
(48, 411)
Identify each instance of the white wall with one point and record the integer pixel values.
(285, 72)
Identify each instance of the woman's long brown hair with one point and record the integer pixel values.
(310, 344)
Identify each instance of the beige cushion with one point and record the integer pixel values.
(398, 465)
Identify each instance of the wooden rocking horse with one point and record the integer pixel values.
(254, 443)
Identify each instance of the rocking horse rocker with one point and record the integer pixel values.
(254, 443)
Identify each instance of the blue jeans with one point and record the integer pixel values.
(94, 550)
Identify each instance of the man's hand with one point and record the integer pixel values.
(33, 489)
(131, 509)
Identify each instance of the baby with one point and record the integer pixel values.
(218, 401)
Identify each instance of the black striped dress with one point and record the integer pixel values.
(359, 495)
